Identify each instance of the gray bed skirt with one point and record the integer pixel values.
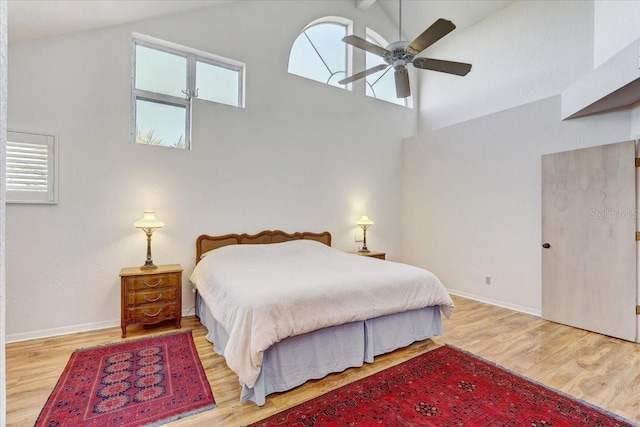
(294, 360)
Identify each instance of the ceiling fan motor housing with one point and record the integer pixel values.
(399, 55)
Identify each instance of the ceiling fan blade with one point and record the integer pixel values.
(365, 45)
(362, 74)
(435, 32)
(403, 89)
(450, 67)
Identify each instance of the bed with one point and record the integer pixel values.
(285, 308)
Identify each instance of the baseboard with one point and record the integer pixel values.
(515, 307)
(66, 330)
(85, 327)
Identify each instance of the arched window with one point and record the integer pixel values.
(319, 52)
(382, 85)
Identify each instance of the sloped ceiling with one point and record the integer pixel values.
(34, 19)
(418, 15)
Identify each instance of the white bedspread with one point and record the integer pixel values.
(262, 294)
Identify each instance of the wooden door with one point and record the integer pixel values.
(588, 234)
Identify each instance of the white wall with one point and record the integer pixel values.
(300, 156)
(616, 25)
(472, 197)
(471, 187)
(528, 51)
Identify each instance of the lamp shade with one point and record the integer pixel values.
(364, 220)
(148, 221)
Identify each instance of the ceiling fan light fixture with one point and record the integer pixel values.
(403, 89)
(399, 63)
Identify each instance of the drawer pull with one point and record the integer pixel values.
(154, 285)
(152, 300)
(152, 315)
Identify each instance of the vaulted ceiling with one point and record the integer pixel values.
(417, 15)
(33, 19)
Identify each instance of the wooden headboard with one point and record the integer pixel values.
(206, 243)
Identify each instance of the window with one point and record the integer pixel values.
(166, 78)
(382, 85)
(319, 52)
(31, 168)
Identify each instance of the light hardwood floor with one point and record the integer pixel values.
(601, 370)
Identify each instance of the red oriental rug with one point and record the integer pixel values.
(143, 382)
(444, 387)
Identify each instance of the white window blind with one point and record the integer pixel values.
(31, 168)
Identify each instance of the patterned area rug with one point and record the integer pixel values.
(144, 382)
(444, 387)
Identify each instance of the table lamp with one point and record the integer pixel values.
(364, 222)
(148, 223)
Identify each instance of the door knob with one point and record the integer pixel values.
(546, 245)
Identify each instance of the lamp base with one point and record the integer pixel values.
(364, 249)
(149, 265)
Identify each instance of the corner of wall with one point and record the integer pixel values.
(3, 155)
(635, 121)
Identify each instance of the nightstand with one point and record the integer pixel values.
(371, 254)
(150, 296)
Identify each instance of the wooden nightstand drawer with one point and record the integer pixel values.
(156, 281)
(150, 296)
(152, 313)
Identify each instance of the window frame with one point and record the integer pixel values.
(221, 64)
(49, 197)
(335, 20)
(192, 56)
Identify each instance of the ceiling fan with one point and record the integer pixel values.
(401, 53)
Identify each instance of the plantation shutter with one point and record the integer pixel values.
(30, 168)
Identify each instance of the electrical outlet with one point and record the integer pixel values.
(357, 238)
(487, 280)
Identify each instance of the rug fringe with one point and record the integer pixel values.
(560, 392)
(178, 416)
(149, 337)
